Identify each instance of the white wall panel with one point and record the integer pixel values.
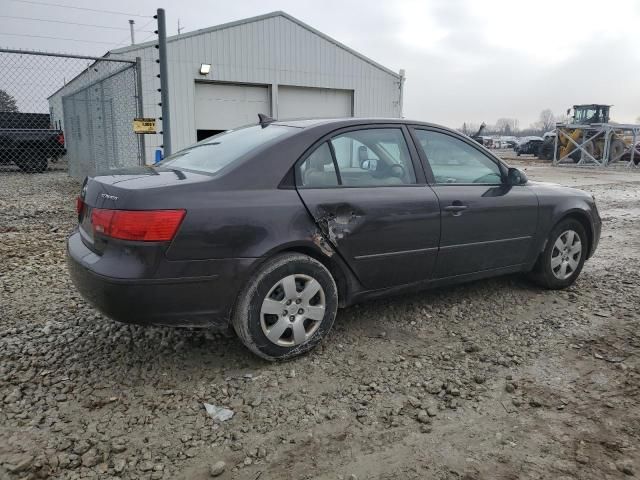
(273, 49)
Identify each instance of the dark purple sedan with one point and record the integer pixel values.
(270, 228)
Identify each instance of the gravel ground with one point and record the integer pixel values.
(491, 380)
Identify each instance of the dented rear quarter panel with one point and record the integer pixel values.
(245, 223)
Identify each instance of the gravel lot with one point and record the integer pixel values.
(491, 380)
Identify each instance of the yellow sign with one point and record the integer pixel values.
(144, 125)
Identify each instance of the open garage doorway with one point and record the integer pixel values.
(204, 134)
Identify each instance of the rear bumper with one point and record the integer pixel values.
(178, 300)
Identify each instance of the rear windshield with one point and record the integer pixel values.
(215, 153)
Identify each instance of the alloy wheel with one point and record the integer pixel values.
(566, 253)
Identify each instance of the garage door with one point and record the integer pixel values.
(302, 102)
(221, 106)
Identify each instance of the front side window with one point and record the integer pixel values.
(215, 153)
(373, 157)
(455, 161)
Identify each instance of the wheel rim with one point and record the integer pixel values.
(293, 310)
(566, 253)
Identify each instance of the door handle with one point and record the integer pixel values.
(455, 209)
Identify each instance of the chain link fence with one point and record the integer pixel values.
(67, 112)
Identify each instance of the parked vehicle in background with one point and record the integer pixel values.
(27, 141)
(529, 147)
(270, 228)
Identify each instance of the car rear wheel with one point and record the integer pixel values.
(31, 161)
(563, 257)
(287, 307)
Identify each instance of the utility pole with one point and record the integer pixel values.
(179, 28)
(142, 144)
(133, 38)
(164, 82)
(401, 96)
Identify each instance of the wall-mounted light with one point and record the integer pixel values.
(205, 68)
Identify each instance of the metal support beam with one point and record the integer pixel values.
(579, 146)
(64, 55)
(133, 35)
(141, 139)
(164, 82)
(633, 150)
(609, 131)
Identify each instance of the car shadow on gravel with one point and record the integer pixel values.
(442, 301)
(192, 351)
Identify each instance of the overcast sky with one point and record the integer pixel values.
(465, 60)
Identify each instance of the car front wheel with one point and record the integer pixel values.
(287, 307)
(563, 257)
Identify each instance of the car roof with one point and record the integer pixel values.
(348, 121)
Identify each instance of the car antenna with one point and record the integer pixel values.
(265, 120)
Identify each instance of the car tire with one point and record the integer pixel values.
(31, 161)
(280, 284)
(560, 264)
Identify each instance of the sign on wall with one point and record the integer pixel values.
(144, 125)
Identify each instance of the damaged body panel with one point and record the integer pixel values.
(387, 235)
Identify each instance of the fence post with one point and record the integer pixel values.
(143, 149)
(164, 82)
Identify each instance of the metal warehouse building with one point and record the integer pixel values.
(273, 64)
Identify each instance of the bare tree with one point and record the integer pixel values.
(507, 126)
(7, 102)
(547, 120)
(469, 128)
(473, 128)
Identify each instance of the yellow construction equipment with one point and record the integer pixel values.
(591, 137)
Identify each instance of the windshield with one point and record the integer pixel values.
(590, 115)
(215, 153)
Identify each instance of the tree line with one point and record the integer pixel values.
(511, 126)
(7, 102)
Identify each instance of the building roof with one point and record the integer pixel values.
(137, 46)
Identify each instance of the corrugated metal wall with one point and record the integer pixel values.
(272, 50)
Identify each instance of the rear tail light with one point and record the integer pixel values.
(79, 205)
(60, 139)
(140, 225)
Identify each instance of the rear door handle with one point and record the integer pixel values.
(455, 209)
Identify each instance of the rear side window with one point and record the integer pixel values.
(375, 157)
(317, 170)
(215, 153)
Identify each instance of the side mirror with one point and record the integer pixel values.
(370, 164)
(516, 177)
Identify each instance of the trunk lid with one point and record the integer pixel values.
(140, 188)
